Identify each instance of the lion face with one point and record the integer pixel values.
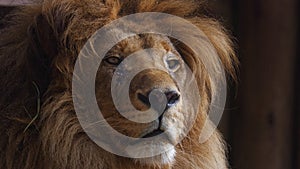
(156, 90)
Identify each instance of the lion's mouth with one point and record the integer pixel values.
(153, 133)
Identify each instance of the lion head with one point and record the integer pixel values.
(39, 49)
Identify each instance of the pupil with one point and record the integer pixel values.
(172, 64)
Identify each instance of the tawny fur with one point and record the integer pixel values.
(55, 139)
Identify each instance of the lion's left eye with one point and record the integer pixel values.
(113, 60)
(173, 64)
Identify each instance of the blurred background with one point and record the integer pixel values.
(262, 119)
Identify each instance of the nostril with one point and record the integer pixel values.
(172, 97)
(144, 99)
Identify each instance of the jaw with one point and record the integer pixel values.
(166, 158)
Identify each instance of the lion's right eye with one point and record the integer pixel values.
(113, 60)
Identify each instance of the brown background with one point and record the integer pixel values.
(262, 122)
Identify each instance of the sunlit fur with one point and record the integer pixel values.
(39, 47)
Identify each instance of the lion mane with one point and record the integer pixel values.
(38, 50)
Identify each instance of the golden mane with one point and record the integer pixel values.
(38, 50)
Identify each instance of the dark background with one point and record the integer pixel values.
(262, 120)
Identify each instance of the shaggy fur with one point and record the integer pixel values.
(38, 50)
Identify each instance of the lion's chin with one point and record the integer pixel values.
(152, 153)
(165, 158)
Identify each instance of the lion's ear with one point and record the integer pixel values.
(42, 40)
(43, 47)
(46, 39)
(222, 42)
(219, 38)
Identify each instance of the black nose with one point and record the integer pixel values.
(158, 99)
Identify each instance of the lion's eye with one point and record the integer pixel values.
(113, 60)
(173, 64)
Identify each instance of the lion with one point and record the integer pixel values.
(38, 124)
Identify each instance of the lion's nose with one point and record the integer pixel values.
(159, 99)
